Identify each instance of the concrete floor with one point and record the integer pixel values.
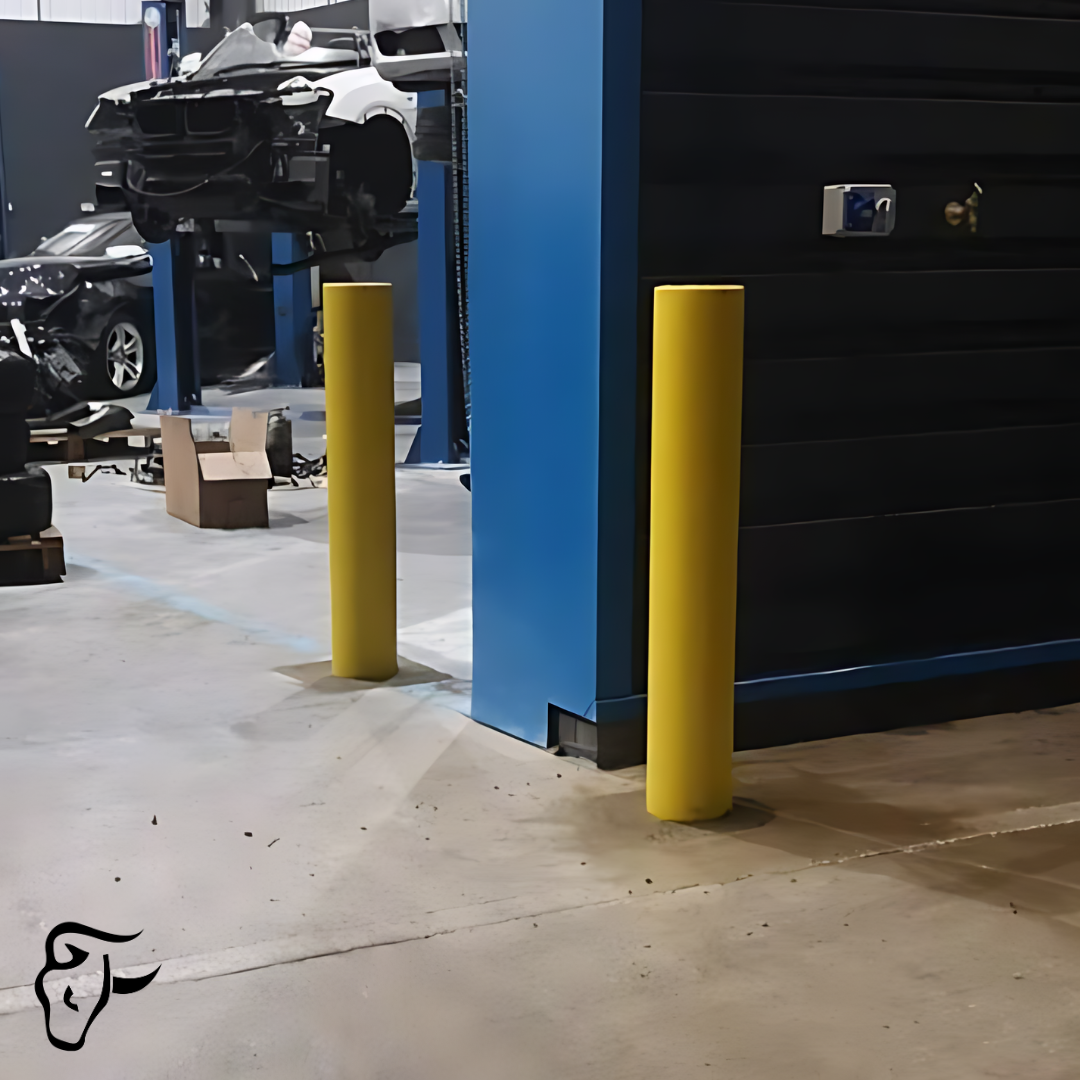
(423, 897)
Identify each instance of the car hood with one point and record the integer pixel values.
(42, 277)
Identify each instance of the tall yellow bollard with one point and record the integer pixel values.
(358, 359)
(697, 366)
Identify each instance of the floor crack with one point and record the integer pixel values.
(928, 845)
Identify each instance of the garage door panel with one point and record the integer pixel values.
(691, 137)
(798, 400)
(828, 594)
(809, 481)
(939, 311)
(716, 46)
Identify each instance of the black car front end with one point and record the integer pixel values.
(181, 153)
(247, 139)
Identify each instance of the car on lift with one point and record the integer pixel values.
(81, 305)
(270, 132)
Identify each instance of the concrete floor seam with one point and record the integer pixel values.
(929, 845)
(16, 999)
(909, 849)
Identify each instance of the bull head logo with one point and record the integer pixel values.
(111, 984)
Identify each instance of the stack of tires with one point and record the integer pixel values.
(25, 494)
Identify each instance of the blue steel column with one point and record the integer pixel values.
(437, 351)
(553, 296)
(175, 336)
(293, 322)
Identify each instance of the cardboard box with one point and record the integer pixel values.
(217, 485)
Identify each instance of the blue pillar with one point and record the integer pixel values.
(176, 336)
(293, 322)
(553, 300)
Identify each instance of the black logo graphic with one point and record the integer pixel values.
(111, 984)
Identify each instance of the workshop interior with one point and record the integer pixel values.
(539, 540)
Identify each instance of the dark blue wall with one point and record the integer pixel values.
(50, 77)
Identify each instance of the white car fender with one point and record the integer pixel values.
(360, 93)
(402, 14)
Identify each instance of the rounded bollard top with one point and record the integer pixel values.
(701, 288)
(359, 285)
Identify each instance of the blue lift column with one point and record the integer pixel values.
(558, 647)
(293, 318)
(176, 338)
(439, 351)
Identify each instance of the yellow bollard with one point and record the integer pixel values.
(358, 359)
(697, 365)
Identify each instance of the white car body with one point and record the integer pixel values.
(405, 67)
(361, 93)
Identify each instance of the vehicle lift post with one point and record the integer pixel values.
(439, 352)
(178, 386)
(293, 317)
(176, 336)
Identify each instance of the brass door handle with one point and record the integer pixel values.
(968, 210)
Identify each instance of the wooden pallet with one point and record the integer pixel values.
(58, 445)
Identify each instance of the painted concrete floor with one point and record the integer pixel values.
(421, 897)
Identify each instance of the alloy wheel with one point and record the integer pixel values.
(125, 356)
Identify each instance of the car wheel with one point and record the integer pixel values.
(125, 357)
(153, 226)
(373, 162)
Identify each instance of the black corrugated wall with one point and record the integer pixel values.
(911, 459)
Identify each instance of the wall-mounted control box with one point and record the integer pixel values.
(858, 210)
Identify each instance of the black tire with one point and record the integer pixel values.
(25, 503)
(17, 374)
(153, 226)
(14, 443)
(124, 361)
(376, 160)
